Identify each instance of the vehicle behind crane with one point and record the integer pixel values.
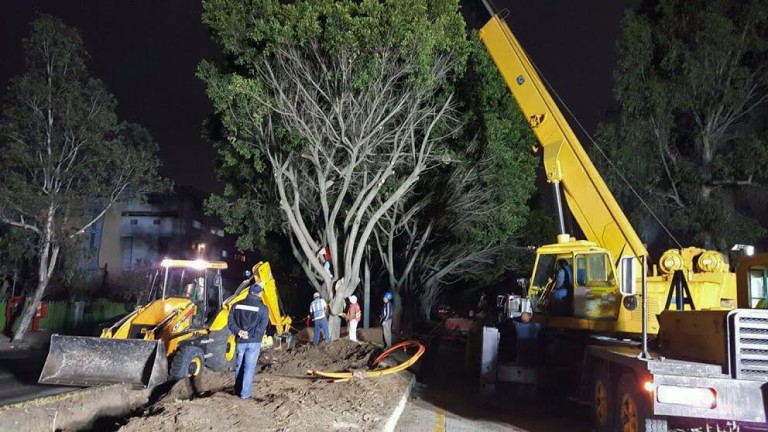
(710, 361)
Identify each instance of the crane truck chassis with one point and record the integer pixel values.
(626, 382)
(709, 357)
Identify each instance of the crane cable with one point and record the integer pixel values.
(608, 159)
(594, 143)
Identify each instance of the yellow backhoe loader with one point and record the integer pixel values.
(176, 335)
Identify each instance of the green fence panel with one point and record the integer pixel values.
(57, 317)
(60, 316)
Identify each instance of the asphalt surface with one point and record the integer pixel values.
(19, 371)
(446, 399)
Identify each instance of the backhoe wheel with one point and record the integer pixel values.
(603, 399)
(222, 348)
(188, 361)
(633, 405)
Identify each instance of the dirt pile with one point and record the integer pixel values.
(340, 355)
(285, 397)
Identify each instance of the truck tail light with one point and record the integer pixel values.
(648, 386)
(700, 397)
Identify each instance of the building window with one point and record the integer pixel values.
(239, 257)
(197, 225)
(224, 254)
(134, 221)
(156, 222)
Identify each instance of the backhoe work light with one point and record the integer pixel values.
(200, 264)
(690, 396)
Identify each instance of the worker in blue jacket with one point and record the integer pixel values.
(387, 313)
(248, 321)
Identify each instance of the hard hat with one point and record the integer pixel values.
(388, 295)
(256, 288)
(317, 294)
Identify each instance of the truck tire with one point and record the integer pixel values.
(603, 399)
(633, 406)
(188, 361)
(222, 350)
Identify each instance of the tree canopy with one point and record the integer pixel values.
(373, 123)
(65, 156)
(691, 135)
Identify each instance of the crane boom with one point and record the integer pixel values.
(565, 161)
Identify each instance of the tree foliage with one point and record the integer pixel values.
(65, 158)
(363, 120)
(460, 223)
(691, 138)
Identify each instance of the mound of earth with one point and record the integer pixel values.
(286, 398)
(340, 355)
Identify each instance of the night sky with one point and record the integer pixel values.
(146, 52)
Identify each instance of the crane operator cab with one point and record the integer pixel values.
(576, 280)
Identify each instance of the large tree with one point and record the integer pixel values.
(691, 136)
(344, 115)
(65, 156)
(462, 222)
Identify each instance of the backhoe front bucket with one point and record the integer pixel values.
(88, 361)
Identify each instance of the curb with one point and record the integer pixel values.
(391, 423)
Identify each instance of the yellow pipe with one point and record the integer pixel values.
(346, 376)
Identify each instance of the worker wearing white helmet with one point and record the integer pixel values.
(353, 316)
(317, 309)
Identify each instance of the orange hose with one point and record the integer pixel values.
(346, 376)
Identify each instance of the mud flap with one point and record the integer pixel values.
(88, 361)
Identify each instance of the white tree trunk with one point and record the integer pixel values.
(49, 254)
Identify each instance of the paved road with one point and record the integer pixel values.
(19, 371)
(446, 400)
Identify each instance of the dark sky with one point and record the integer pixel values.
(146, 52)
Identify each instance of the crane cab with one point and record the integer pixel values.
(575, 280)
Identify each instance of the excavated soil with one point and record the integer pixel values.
(286, 398)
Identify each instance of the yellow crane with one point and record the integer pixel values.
(711, 362)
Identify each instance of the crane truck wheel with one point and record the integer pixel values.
(603, 397)
(222, 350)
(188, 361)
(634, 407)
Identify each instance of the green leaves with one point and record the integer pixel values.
(691, 83)
(487, 168)
(63, 147)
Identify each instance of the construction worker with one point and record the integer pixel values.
(562, 294)
(386, 319)
(248, 322)
(317, 311)
(353, 316)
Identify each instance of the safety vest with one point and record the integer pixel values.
(317, 309)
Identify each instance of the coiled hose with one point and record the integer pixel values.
(346, 376)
